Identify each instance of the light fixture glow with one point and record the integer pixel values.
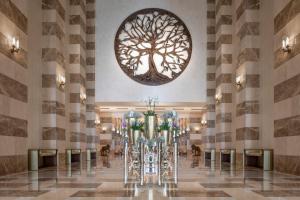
(286, 45)
(15, 45)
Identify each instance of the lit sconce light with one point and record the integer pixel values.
(187, 129)
(104, 129)
(286, 45)
(82, 97)
(203, 122)
(113, 129)
(218, 97)
(197, 129)
(15, 45)
(61, 81)
(97, 122)
(238, 81)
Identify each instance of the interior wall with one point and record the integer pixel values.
(114, 85)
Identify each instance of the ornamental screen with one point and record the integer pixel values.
(153, 46)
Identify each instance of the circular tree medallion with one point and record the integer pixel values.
(153, 46)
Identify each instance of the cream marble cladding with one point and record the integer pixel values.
(14, 88)
(77, 73)
(286, 88)
(224, 70)
(248, 54)
(53, 96)
(92, 137)
(208, 138)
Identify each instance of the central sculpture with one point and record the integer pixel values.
(153, 46)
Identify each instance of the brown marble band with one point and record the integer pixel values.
(211, 108)
(90, 14)
(77, 39)
(90, 123)
(210, 60)
(53, 133)
(248, 28)
(208, 139)
(291, 10)
(90, 61)
(287, 127)
(5, 48)
(91, 139)
(90, 77)
(48, 80)
(53, 107)
(287, 164)
(223, 39)
(222, 3)
(90, 30)
(223, 137)
(210, 45)
(224, 59)
(246, 5)
(52, 28)
(77, 20)
(10, 126)
(77, 78)
(106, 119)
(247, 133)
(90, 1)
(210, 76)
(210, 124)
(287, 89)
(195, 120)
(80, 3)
(74, 97)
(90, 107)
(77, 137)
(211, 14)
(223, 79)
(210, 1)
(13, 89)
(90, 45)
(223, 118)
(11, 11)
(54, 5)
(90, 92)
(74, 117)
(82, 118)
(53, 55)
(247, 107)
(211, 30)
(248, 55)
(210, 92)
(223, 20)
(281, 57)
(77, 59)
(226, 98)
(13, 164)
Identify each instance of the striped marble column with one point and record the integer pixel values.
(286, 82)
(77, 73)
(224, 70)
(53, 96)
(208, 138)
(92, 138)
(247, 95)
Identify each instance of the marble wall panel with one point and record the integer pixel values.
(13, 164)
(13, 89)
(53, 133)
(246, 5)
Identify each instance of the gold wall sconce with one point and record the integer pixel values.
(61, 81)
(218, 97)
(15, 45)
(286, 45)
(238, 82)
(82, 98)
(97, 122)
(203, 122)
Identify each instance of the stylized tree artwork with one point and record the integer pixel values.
(153, 46)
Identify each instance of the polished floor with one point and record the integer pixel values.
(196, 181)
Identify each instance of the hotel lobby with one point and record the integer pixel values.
(149, 99)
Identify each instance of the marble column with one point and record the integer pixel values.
(77, 73)
(224, 70)
(247, 74)
(53, 60)
(208, 138)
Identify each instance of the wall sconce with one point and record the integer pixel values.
(97, 122)
(104, 129)
(82, 97)
(218, 97)
(15, 45)
(286, 45)
(197, 129)
(203, 122)
(238, 81)
(61, 81)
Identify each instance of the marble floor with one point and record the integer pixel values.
(97, 181)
